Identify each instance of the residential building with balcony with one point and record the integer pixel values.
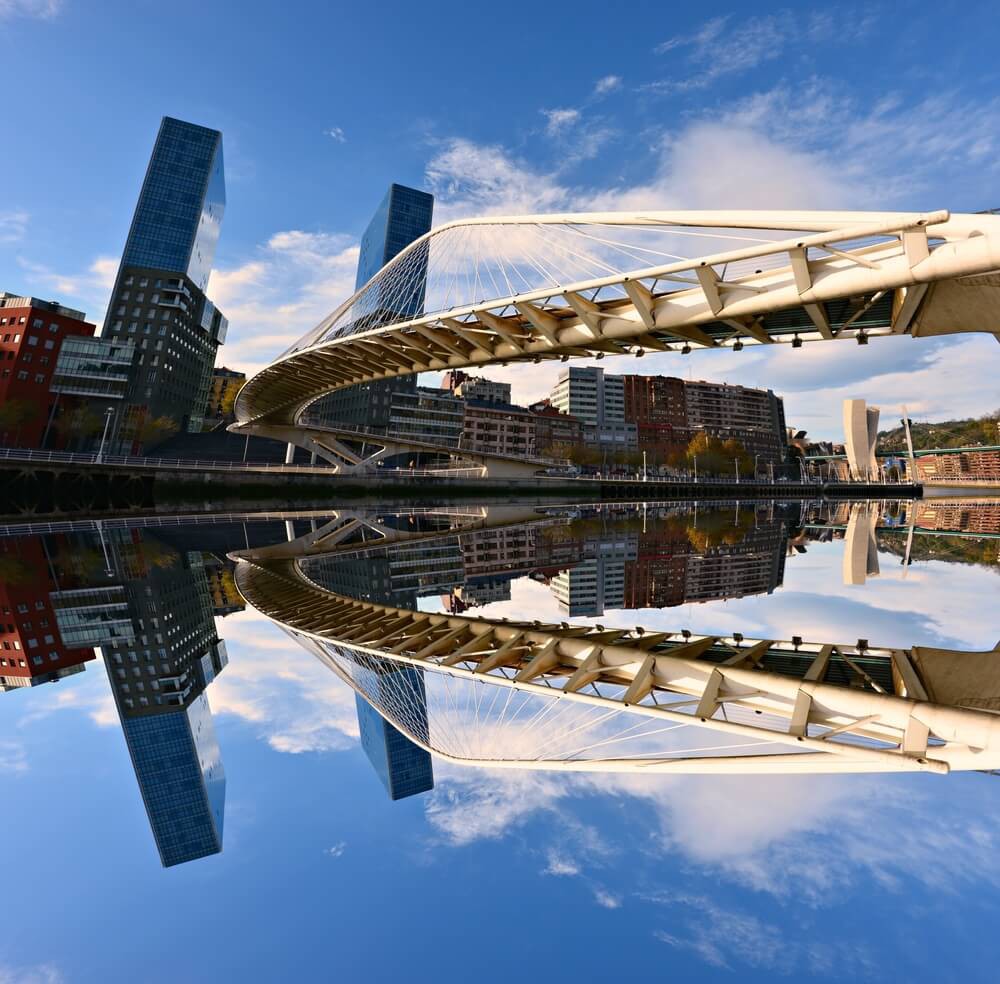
(32, 335)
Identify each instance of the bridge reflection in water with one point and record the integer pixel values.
(465, 684)
(554, 696)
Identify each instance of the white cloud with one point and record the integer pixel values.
(477, 179)
(723, 47)
(559, 864)
(39, 974)
(606, 899)
(294, 281)
(559, 120)
(725, 937)
(87, 289)
(40, 9)
(607, 84)
(336, 133)
(293, 702)
(13, 758)
(337, 850)
(13, 225)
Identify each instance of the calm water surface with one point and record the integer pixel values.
(200, 780)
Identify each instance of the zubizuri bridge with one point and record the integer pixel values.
(510, 289)
(531, 695)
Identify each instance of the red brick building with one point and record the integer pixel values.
(553, 428)
(31, 334)
(658, 407)
(31, 648)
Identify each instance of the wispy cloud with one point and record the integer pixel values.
(39, 9)
(559, 120)
(293, 281)
(13, 225)
(39, 974)
(560, 865)
(724, 46)
(88, 288)
(293, 703)
(337, 850)
(607, 84)
(606, 899)
(13, 759)
(336, 133)
(726, 937)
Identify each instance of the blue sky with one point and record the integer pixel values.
(511, 874)
(525, 107)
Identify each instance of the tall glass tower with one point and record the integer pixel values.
(177, 220)
(159, 297)
(403, 215)
(403, 767)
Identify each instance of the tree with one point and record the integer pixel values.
(717, 457)
(77, 422)
(153, 430)
(14, 414)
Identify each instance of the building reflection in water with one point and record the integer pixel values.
(147, 606)
(150, 601)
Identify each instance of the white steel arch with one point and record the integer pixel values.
(504, 289)
(758, 705)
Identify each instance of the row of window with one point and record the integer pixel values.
(13, 320)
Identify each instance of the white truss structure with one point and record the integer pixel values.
(527, 695)
(525, 288)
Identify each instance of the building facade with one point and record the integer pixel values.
(498, 427)
(556, 433)
(475, 387)
(597, 400)
(754, 417)
(223, 387)
(159, 298)
(32, 335)
(33, 647)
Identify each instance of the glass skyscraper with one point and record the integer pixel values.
(403, 215)
(159, 297)
(402, 766)
(179, 214)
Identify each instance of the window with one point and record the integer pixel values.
(49, 344)
(120, 310)
(32, 339)
(17, 337)
(39, 377)
(163, 329)
(49, 640)
(117, 326)
(140, 297)
(26, 357)
(128, 281)
(32, 643)
(44, 360)
(37, 323)
(37, 660)
(53, 328)
(132, 325)
(136, 312)
(22, 375)
(53, 656)
(145, 282)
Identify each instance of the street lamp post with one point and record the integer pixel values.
(644, 466)
(736, 461)
(756, 458)
(696, 468)
(108, 414)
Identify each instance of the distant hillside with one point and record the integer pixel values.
(947, 434)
